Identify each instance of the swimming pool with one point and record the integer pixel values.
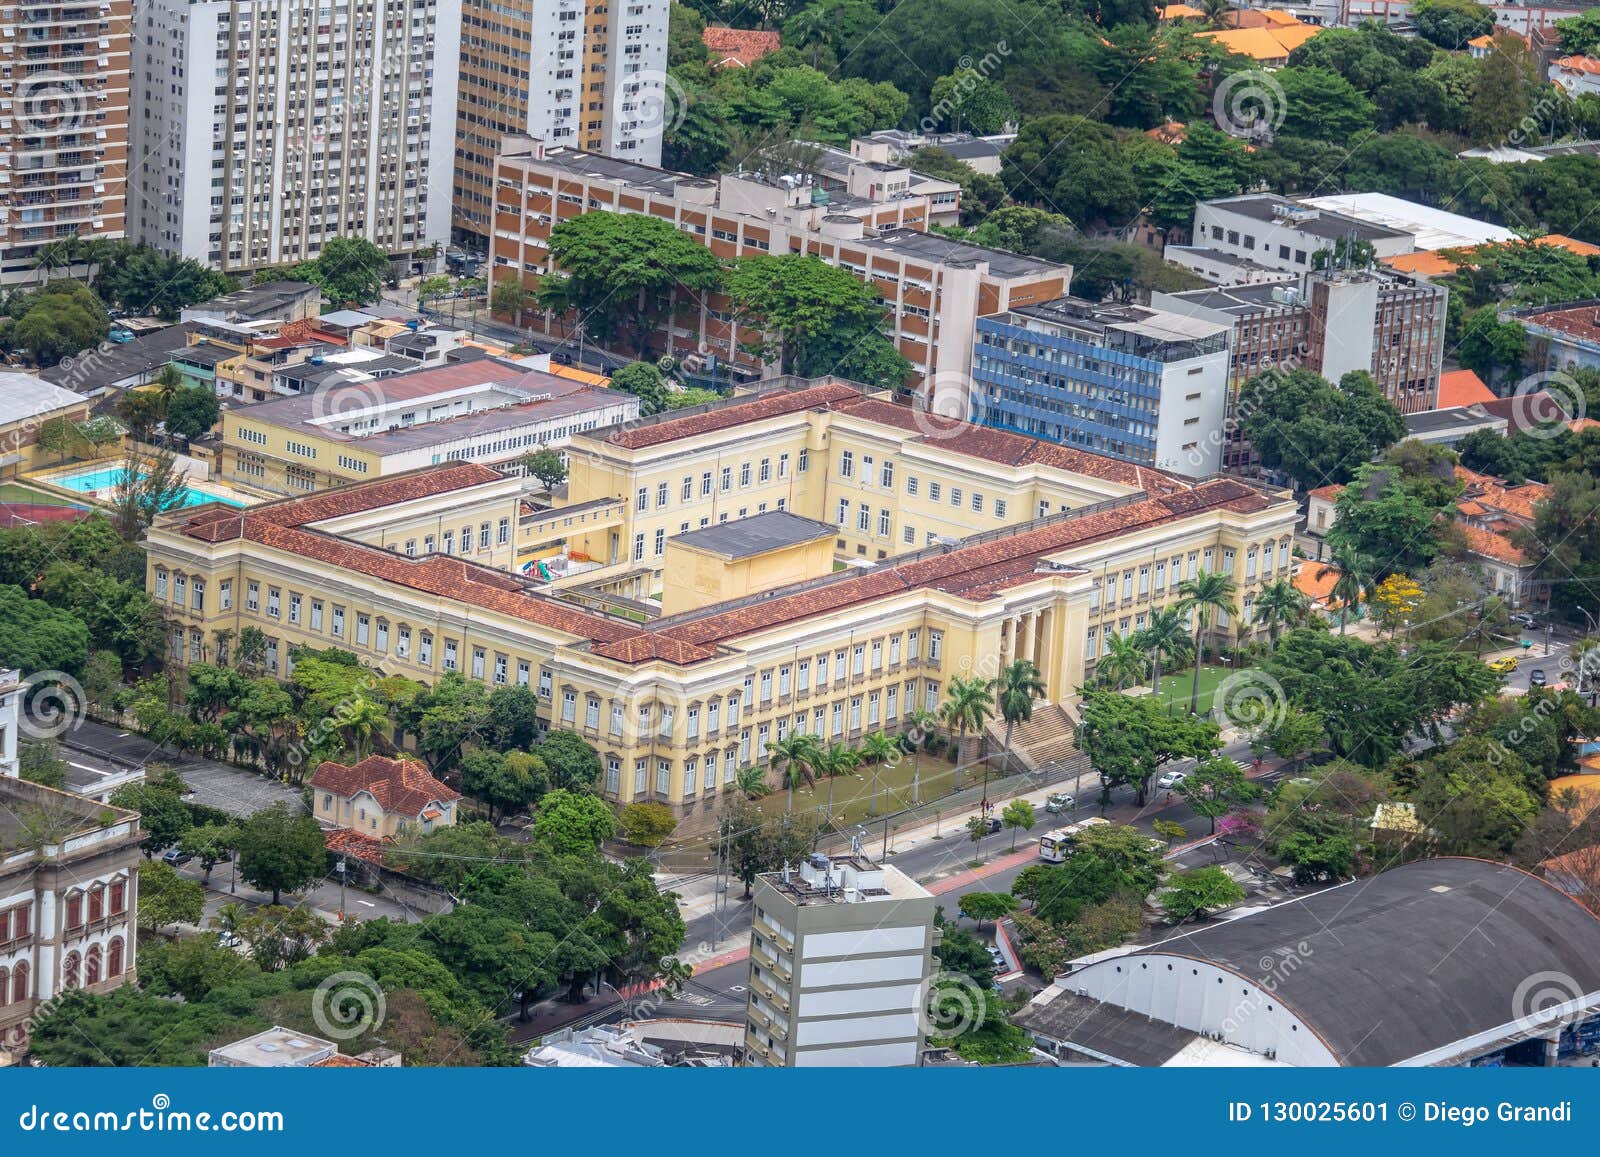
(102, 482)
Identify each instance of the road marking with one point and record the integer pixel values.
(367, 903)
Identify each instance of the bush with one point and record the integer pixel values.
(647, 824)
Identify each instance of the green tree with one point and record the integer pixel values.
(1322, 105)
(1165, 639)
(349, 270)
(38, 761)
(36, 637)
(1280, 603)
(1451, 23)
(811, 311)
(1074, 166)
(166, 898)
(163, 816)
(1356, 578)
(647, 824)
(192, 412)
(1313, 430)
(1018, 815)
(570, 823)
(1215, 788)
(1505, 82)
(972, 102)
(794, 759)
(509, 298)
(1127, 739)
(1488, 344)
(643, 381)
(621, 271)
(1288, 734)
(1014, 690)
(984, 907)
(1123, 661)
(211, 844)
(280, 851)
(1189, 894)
(1205, 594)
(968, 705)
(573, 765)
(546, 465)
(504, 782)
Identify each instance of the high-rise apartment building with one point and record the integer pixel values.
(841, 949)
(586, 74)
(63, 127)
(265, 128)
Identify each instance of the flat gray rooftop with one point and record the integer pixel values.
(747, 537)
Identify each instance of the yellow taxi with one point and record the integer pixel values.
(1504, 666)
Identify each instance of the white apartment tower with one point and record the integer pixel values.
(266, 127)
(587, 74)
(841, 950)
(63, 129)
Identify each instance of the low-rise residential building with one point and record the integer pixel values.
(267, 301)
(1285, 235)
(69, 888)
(1331, 322)
(27, 403)
(976, 546)
(841, 949)
(1126, 381)
(875, 225)
(382, 798)
(283, 1048)
(339, 424)
(1576, 75)
(1563, 335)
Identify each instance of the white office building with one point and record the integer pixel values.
(840, 953)
(266, 128)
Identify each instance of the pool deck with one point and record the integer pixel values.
(52, 481)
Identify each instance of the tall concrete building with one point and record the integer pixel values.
(586, 74)
(63, 127)
(840, 954)
(266, 127)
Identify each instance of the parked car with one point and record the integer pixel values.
(1523, 620)
(993, 825)
(1505, 665)
(229, 939)
(1172, 779)
(1060, 802)
(1536, 677)
(175, 857)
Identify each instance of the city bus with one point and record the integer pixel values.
(1056, 846)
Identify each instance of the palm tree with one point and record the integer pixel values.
(1165, 639)
(1014, 690)
(1217, 12)
(1279, 603)
(1124, 661)
(794, 758)
(1204, 593)
(752, 781)
(167, 382)
(1358, 578)
(967, 707)
(361, 720)
(921, 725)
(877, 749)
(833, 761)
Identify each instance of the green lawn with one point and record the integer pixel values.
(1176, 689)
(852, 794)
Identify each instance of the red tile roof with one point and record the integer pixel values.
(399, 785)
(974, 571)
(1487, 495)
(1491, 545)
(740, 46)
(967, 438)
(348, 842)
(1328, 493)
(1462, 388)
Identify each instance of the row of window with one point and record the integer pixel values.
(690, 488)
(833, 721)
(1154, 576)
(873, 472)
(98, 901)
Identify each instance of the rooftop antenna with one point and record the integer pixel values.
(786, 872)
(856, 838)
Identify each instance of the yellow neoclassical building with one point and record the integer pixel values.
(958, 548)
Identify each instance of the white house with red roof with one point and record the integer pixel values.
(1576, 75)
(380, 797)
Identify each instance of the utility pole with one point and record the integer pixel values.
(341, 870)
